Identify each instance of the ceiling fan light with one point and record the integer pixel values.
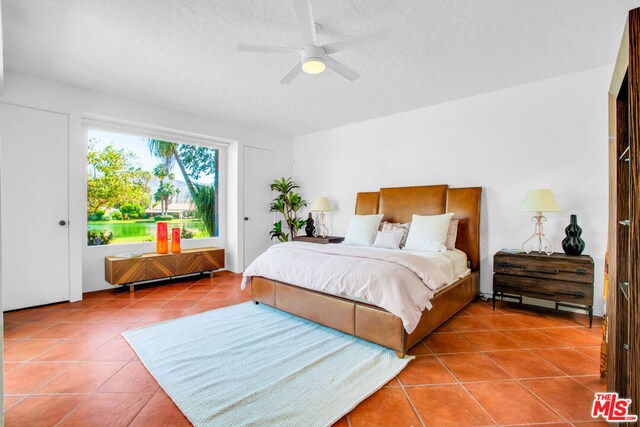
(313, 66)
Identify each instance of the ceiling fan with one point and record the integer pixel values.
(314, 58)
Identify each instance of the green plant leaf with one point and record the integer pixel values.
(205, 201)
(278, 205)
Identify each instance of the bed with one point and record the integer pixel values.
(366, 320)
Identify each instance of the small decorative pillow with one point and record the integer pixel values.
(362, 230)
(389, 239)
(390, 226)
(452, 234)
(428, 233)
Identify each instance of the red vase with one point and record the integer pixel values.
(162, 238)
(175, 240)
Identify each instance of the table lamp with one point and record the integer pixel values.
(539, 201)
(321, 204)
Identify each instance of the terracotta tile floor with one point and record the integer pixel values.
(67, 364)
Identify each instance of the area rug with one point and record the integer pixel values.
(252, 365)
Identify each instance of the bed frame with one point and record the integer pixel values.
(371, 322)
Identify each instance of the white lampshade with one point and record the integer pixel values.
(321, 204)
(540, 201)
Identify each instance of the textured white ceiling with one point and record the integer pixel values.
(182, 54)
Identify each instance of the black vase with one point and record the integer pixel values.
(573, 244)
(310, 229)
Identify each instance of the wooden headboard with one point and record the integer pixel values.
(398, 204)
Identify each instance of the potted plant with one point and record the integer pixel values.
(288, 203)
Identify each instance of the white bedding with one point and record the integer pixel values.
(401, 282)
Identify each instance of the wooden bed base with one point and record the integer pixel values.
(361, 320)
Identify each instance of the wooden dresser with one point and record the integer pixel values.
(153, 266)
(567, 280)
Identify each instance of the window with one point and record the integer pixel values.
(134, 182)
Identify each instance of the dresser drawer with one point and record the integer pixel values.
(555, 290)
(555, 267)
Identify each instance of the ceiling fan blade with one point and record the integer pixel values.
(266, 49)
(306, 21)
(354, 41)
(292, 74)
(341, 69)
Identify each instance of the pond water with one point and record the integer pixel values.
(144, 231)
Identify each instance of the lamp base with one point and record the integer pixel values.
(321, 229)
(538, 235)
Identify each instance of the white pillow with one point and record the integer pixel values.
(362, 230)
(389, 239)
(428, 233)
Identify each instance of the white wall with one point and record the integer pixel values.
(87, 265)
(548, 134)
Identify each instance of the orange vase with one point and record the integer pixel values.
(175, 240)
(162, 238)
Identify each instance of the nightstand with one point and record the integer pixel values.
(565, 279)
(321, 240)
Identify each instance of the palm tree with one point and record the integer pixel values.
(163, 195)
(166, 189)
(168, 151)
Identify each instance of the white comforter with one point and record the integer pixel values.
(398, 281)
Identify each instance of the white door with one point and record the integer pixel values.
(35, 206)
(258, 222)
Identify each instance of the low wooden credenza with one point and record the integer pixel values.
(153, 266)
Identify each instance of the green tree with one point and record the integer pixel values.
(165, 190)
(115, 178)
(202, 160)
(131, 211)
(199, 160)
(193, 161)
(205, 202)
(168, 152)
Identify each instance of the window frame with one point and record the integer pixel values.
(94, 122)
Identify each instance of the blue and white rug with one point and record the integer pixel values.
(252, 365)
